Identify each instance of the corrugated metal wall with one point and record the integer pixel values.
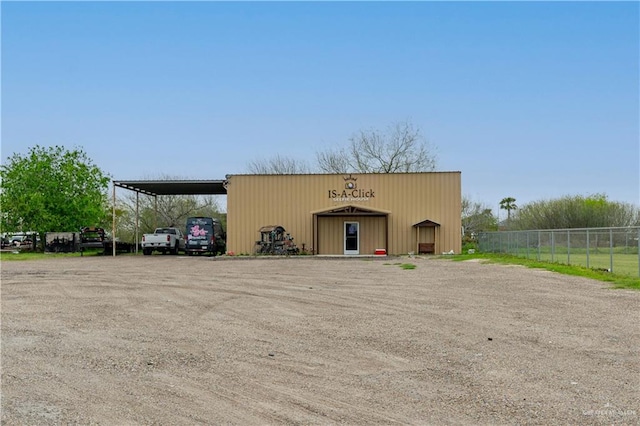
(254, 201)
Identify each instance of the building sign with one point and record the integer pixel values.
(351, 192)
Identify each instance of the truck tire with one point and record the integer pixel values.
(146, 251)
(176, 249)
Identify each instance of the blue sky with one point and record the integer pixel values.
(532, 100)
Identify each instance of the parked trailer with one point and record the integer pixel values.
(121, 247)
(62, 242)
(92, 237)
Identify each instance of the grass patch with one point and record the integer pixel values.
(35, 255)
(624, 263)
(408, 266)
(402, 265)
(617, 280)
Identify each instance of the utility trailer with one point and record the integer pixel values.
(61, 242)
(92, 237)
(121, 247)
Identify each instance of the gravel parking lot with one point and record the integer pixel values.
(175, 340)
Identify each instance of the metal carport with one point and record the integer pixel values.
(165, 187)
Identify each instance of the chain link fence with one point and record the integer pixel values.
(615, 250)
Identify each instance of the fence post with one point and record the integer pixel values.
(587, 248)
(553, 246)
(568, 247)
(538, 246)
(610, 250)
(527, 244)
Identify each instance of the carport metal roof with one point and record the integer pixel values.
(174, 187)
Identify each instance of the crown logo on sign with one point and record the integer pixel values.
(350, 182)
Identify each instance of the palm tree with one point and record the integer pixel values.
(508, 204)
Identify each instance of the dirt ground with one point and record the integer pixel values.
(175, 340)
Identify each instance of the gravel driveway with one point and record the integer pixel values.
(175, 340)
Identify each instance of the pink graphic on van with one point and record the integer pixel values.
(196, 231)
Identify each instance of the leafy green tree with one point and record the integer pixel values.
(52, 189)
(476, 217)
(508, 204)
(594, 211)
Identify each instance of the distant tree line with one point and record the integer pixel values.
(570, 211)
(575, 211)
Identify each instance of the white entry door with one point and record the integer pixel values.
(351, 238)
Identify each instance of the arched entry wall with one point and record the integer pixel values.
(331, 236)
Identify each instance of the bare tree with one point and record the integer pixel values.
(401, 148)
(172, 210)
(278, 165)
(334, 161)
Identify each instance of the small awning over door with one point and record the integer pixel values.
(426, 222)
(426, 247)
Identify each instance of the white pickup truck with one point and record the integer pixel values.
(164, 240)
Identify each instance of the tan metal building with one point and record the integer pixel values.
(355, 214)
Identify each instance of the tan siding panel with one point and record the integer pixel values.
(329, 236)
(372, 234)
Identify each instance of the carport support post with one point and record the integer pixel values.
(113, 224)
(137, 216)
